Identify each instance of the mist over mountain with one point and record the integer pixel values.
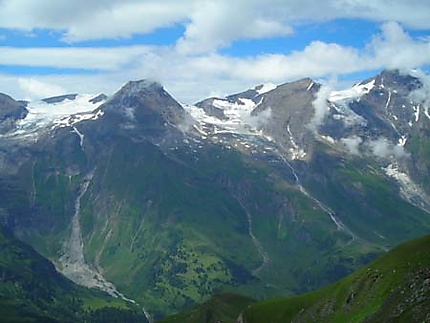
(275, 191)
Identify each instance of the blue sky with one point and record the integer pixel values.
(198, 48)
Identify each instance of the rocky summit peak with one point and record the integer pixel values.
(397, 80)
(10, 111)
(144, 86)
(144, 106)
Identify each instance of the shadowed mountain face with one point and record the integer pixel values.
(144, 104)
(32, 290)
(394, 288)
(10, 112)
(274, 191)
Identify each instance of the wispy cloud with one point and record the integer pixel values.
(352, 144)
(88, 58)
(321, 107)
(33, 87)
(383, 148)
(422, 94)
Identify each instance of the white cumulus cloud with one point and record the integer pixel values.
(208, 23)
(36, 88)
(193, 77)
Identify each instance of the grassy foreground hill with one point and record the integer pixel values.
(31, 290)
(219, 308)
(393, 288)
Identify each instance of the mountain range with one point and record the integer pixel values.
(275, 191)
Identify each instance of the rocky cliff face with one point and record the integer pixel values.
(10, 112)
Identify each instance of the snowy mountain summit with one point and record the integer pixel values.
(61, 111)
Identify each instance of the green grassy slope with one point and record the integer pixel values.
(219, 308)
(171, 227)
(394, 288)
(364, 198)
(162, 224)
(31, 290)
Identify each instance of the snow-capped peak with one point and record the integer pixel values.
(264, 88)
(237, 113)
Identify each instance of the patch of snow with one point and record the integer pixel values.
(200, 131)
(74, 119)
(80, 135)
(426, 112)
(310, 86)
(347, 115)
(416, 112)
(239, 117)
(388, 100)
(266, 88)
(354, 93)
(328, 139)
(402, 141)
(296, 152)
(200, 115)
(60, 114)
